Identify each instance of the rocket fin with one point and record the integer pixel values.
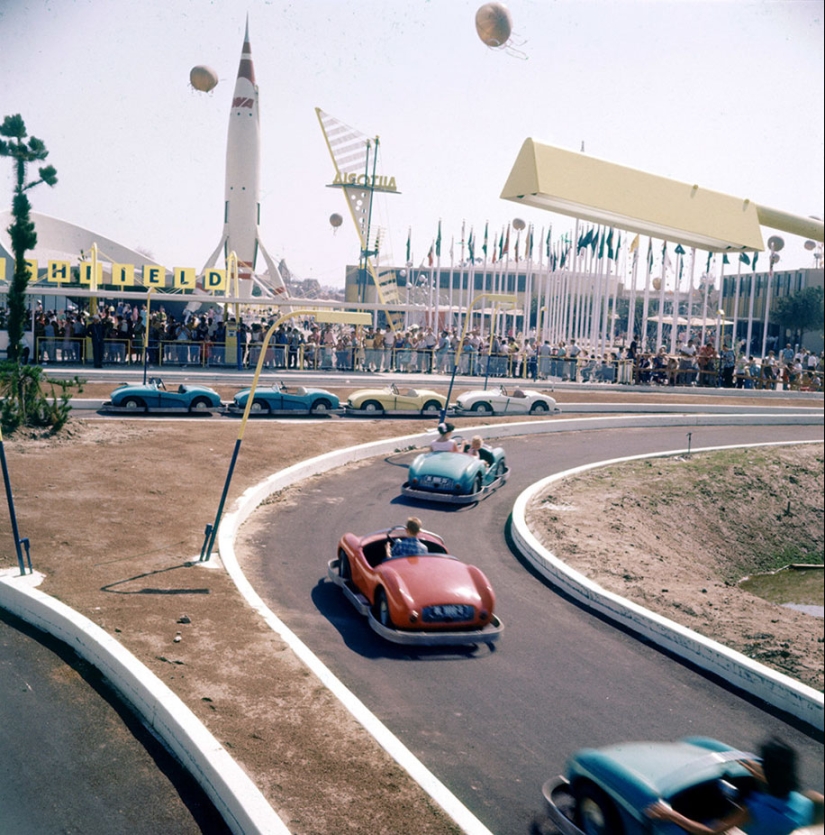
(213, 258)
(275, 277)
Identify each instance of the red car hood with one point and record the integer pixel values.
(434, 580)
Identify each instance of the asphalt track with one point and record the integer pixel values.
(494, 725)
(75, 759)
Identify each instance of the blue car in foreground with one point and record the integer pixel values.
(455, 477)
(281, 399)
(155, 397)
(605, 791)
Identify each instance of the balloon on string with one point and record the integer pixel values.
(657, 283)
(494, 24)
(518, 224)
(335, 220)
(203, 78)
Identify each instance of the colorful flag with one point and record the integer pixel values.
(634, 244)
(484, 245)
(610, 252)
(430, 256)
(725, 259)
(409, 235)
(679, 249)
(505, 248)
(471, 246)
(547, 243)
(528, 246)
(438, 241)
(744, 258)
(755, 259)
(707, 266)
(618, 245)
(601, 244)
(495, 247)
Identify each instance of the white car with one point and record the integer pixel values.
(500, 401)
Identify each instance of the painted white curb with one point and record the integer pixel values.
(248, 502)
(754, 678)
(235, 796)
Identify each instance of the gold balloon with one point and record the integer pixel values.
(657, 283)
(494, 24)
(203, 78)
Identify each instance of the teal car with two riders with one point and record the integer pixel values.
(154, 396)
(281, 399)
(456, 477)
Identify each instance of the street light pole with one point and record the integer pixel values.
(323, 316)
(502, 299)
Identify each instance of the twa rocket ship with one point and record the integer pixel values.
(242, 208)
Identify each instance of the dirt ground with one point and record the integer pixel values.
(116, 510)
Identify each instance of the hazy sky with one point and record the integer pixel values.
(728, 95)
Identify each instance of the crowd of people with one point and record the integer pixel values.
(115, 334)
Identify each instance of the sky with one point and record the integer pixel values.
(728, 95)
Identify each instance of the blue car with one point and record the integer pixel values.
(155, 397)
(284, 400)
(455, 477)
(605, 791)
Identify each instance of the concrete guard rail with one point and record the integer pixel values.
(235, 796)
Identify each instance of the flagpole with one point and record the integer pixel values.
(674, 331)
(662, 283)
(690, 289)
(705, 302)
(646, 298)
(750, 305)
(736, 304)
(772, 258)
(631, 310)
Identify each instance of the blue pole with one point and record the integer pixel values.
(12, 515)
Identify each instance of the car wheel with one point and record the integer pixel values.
(478, 484)
(595, 812)
(259, 407)
(382, 609)
(134, 404)
(373, 406)
(539, 408)
(483, 408)
(431, 407)
(320, 407)
(199, 404)
(344, 571)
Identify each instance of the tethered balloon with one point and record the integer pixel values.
(335, 220)
(203, 78)
(494, 24)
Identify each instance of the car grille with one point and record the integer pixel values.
(447, 613)
(436, 482)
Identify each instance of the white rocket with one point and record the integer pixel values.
(242, 207)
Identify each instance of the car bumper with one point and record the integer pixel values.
(487, 635)
(560, 805)
(452, 498)
(108, 407)
(232, 409)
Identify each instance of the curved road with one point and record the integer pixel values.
(74, 758)
(494, 725)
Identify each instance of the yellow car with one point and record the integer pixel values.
(407, 401)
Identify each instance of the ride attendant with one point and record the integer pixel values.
(775, 807)
(409, 545)
(445, 442)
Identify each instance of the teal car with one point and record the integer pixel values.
(605, 791)
(281, 399)
(155, 397)
(455, 477)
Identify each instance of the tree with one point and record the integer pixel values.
(802, 312)
(23, 236)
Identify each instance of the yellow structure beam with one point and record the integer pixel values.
(582, 186)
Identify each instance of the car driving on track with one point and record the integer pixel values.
(155, 397)
(503, 401)
(397, 399)
(430, 599)
(607, 791)
(285, 400)
(455, 477)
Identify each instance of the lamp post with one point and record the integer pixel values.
(146, 330)
(502, 299)
(323, 316)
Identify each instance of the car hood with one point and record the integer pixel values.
(471, 395)
(448, 464)
(434, 579)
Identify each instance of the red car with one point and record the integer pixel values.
(430, 600)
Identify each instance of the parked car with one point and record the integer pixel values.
(394, 399)
(455, 477)
(282, 399)
(501, 401)
(428, 600)
(605, 791)
(155, 397)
